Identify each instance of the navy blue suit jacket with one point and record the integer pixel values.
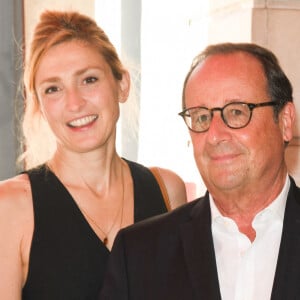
(172, 256)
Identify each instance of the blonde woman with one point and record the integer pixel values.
(59, 219)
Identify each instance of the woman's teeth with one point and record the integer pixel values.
(83, 121)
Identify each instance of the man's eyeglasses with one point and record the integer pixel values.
(235, 115)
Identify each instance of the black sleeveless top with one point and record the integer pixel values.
(67, 259)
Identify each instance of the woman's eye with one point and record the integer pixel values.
(90, 80)
(51, 90)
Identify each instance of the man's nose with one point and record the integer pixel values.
(218, 130)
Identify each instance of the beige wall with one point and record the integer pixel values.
(230, 20)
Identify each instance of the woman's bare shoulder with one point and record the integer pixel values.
(16, 228)
(175, 187)
(15, 195)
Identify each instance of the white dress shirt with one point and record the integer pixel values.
(246, 270)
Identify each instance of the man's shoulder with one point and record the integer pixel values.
(169, 221)
(294, 191)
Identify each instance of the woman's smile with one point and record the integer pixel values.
(83, 122)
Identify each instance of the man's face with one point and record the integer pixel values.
(236, 159)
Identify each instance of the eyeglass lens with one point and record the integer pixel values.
(235, 115)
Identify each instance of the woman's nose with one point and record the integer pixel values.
(74, 100)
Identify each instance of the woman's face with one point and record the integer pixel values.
(79, 97)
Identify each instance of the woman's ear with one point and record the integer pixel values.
(287, 120)
(124, 87)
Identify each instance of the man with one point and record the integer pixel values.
(242, 239)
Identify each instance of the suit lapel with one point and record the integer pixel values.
(287, 276)
(199, 252)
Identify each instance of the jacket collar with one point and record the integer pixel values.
(286, 281)
(199, 253)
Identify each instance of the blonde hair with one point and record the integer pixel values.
(56, 27)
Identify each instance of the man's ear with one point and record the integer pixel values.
(287, 116)
(124, 87)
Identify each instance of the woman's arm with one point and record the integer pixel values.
(16, 227)
(175, 187)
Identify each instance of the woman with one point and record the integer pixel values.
(59, 219)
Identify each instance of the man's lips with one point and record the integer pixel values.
(220, 157)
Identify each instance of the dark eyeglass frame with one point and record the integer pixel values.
(185, 113)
